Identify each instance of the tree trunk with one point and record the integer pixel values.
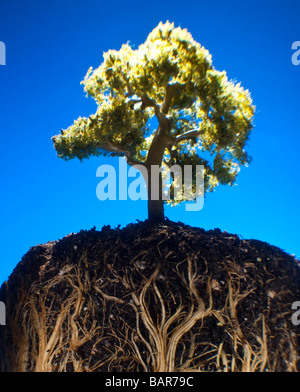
(153, 163)
(155, 205)
(156, 211)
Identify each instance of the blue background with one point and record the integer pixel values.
(50, 46)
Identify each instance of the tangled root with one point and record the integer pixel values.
(131, 311)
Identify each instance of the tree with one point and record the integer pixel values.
(203, 118)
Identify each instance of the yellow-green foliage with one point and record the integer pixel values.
(203, 100)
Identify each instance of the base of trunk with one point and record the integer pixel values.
(156, 211)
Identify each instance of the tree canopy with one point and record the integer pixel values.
(203, 118)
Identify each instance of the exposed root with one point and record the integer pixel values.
(163, 315)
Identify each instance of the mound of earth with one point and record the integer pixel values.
(164, 297)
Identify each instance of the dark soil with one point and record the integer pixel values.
(165, 297)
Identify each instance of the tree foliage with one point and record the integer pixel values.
(203, 117)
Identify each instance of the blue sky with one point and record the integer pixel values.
(49, 47)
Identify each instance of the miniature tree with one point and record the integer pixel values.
(200, 113)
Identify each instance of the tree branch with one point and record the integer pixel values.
(189, 135)
(147, 102)
(164, 121)
(110, 147)
(171, 90)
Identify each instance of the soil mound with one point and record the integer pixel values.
(164, 297)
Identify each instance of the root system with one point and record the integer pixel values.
(157, 298)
